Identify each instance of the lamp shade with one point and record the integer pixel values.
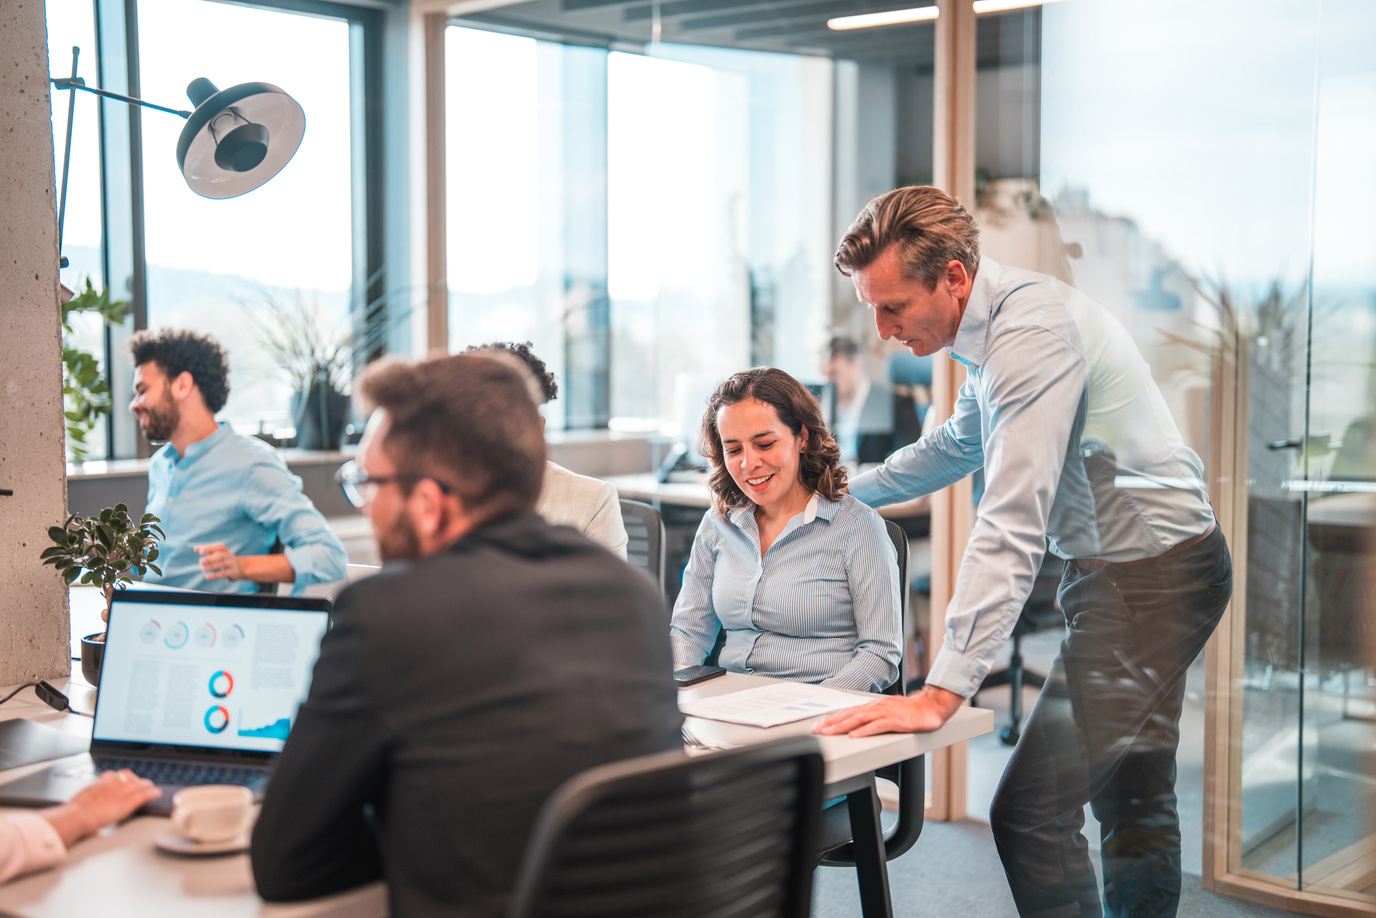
(237, 138)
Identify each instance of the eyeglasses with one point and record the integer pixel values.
(360, 487)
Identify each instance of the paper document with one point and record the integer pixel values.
(771, 705)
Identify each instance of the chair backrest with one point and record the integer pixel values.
(900, 544)
(645, 538)
(721, 835)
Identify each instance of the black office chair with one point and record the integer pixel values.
(721, 835)
(837, 845)
(645, 538)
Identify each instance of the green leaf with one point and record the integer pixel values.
(58, 534)
(155, 569)
(70, 575)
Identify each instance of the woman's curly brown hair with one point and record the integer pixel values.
(820, 463)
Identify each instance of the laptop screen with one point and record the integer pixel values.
(222, 671)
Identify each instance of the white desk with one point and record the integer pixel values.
(120, 872)
(845, 757)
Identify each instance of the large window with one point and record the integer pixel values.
(651, 223)
(71, 24)
(218, 266)
(306, 246)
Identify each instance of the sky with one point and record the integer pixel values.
(1200, 121)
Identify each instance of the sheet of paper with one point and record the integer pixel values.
(771, 705)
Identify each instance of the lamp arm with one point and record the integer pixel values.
(66, 161)
(75, 82)
(78, 83)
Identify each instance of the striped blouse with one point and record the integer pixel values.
(821, 606)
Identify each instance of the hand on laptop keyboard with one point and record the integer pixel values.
(185, 774)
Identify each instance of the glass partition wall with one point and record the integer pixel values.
(1208, 167)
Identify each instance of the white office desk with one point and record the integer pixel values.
(120, 872)
(844, 757)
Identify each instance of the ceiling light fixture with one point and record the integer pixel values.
(924, 14)
(871, 20)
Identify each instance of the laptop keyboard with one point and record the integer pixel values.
(186, 774)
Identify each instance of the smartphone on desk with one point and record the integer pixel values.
(692, 675)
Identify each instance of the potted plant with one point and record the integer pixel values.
(315, 359)
(106, 551)
(85, 391)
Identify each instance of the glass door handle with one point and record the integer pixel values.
(1318, 442)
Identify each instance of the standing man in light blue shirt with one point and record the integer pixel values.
(1080, 456)
(224, 500)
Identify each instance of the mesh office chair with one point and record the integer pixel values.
(645, 538)
(727, 835)
(837, 845)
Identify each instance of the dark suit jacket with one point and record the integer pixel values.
(888, 422)
(452, 695)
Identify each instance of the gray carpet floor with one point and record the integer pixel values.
(953, 872)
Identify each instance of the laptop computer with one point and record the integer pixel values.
(195, 688)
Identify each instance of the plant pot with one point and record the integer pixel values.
(92, 655)
(314, 431)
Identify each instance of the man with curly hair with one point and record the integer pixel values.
(224, 500)
(589, 505)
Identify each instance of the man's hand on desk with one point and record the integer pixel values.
(922, 712)
(219, 563)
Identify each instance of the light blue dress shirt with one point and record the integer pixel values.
(820, 606)
(235, 490)
(1079, 450)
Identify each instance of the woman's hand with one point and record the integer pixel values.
(115, 795)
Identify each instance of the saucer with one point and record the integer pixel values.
(177, 843)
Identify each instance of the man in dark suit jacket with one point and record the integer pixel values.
(869, 419)
(493, 657)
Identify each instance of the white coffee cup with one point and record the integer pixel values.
(212, 812)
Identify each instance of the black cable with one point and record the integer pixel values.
(18, 690)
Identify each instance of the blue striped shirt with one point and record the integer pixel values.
(820, 606)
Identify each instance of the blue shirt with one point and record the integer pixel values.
(1079, 450)
(235, 490)
(820, 606)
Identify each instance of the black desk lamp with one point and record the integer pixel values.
(235, 140)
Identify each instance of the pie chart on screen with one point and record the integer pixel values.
(177, 636)
(221, 684)
(217, 718)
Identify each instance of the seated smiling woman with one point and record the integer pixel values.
(802, 577)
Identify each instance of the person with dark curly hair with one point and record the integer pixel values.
(224, 500)
(589, 505)
(802, 576)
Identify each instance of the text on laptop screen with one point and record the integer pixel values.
(223, 676)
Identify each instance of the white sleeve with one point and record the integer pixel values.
(28, 842)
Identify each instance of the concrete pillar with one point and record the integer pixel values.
(33, 478)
